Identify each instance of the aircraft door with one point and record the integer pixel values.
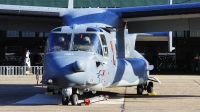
(113, 55)
(105, 70)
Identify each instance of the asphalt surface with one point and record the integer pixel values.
(176, 93)
(17, 88)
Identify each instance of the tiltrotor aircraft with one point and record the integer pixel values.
(94, 48)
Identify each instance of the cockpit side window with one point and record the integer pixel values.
(59, 42)
(104, 43)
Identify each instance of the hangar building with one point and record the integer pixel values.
(186, 43)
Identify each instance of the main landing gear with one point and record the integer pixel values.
(149, 87)
(141, 88)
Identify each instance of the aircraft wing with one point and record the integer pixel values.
(30, 18)
(176, 17)
(140, 19)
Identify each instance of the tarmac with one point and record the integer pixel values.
(180, 93)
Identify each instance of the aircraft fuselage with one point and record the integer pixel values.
(91, 66)
(92, 51)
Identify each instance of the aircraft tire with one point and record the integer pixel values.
(74, 99)
(139, 90)
(150, 87)
(150, 84)
(65, 100)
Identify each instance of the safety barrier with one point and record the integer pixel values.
(21, 70)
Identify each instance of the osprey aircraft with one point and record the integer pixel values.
(89, 49)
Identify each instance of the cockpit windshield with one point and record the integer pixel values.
(59, 42)
(86, 42)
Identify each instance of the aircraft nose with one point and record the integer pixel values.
(67, 72)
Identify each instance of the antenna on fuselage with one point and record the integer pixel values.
(70, 4)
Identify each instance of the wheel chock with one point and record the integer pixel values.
(152, 94)
(87, 101)
(48, 93)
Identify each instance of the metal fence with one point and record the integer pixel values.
(21, 70)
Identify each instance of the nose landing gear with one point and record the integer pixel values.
(69, 96)
(65, 100)
(74, 99)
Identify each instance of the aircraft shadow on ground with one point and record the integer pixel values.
(10, 93)
(112, 95)
(160, 96)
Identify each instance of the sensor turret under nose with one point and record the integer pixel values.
(79, 65)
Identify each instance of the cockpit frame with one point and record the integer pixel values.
(99, 46)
